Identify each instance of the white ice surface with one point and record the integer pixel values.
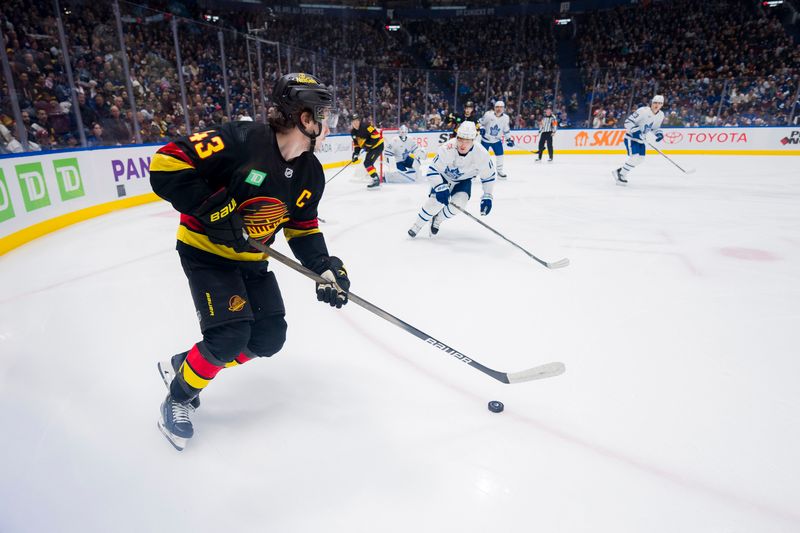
(678, 320)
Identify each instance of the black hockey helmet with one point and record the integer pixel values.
(470, 104)
(355, 116)
(296, 92)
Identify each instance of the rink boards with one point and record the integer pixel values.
(43, 192)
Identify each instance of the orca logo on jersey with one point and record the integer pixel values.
(262, 216)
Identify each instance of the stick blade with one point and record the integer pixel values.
(548, 370)
(561, 263)
(691, 170)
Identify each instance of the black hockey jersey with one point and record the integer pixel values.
(270, 193)
(366, 137)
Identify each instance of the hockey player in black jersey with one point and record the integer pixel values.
(366, 137)
(256, 177)
(454, 120)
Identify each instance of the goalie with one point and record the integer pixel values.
(403, 156)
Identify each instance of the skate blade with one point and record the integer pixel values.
(621, 183)
(179, 443)
(166, 372)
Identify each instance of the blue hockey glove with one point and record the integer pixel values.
(483, 132)
(486, 204)
(401, 166)
(442, 192)
(510, 142)
(408, 162)
(659, 136)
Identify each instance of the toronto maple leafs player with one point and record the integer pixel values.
(495, 124)
(640, 123)
(403, 157)
(451, 172)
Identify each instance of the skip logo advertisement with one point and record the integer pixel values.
(30, 181)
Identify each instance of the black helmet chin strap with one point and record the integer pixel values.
(312, 136)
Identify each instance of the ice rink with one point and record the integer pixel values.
(678, 321)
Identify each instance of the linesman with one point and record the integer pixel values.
(547, 128)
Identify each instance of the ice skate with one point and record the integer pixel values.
(174, 423)
(618, 177)
(413, 230)
(168, 370)
(502, 175)
(550, 160)
(537, 160)
(435, 223)
(376, 183)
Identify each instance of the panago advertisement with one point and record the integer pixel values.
(42, 192)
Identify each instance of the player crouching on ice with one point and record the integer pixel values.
(253, 176)
(644, 120)
(403, 158)
(457, 162)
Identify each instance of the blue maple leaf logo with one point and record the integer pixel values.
(453, 173)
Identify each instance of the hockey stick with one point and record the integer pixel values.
(538, 372)
(555, 264)
(340, 171)
(689, 171)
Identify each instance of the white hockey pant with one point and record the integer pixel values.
(432, 206)
(632, 162)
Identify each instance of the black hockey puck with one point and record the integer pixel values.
(496, 407)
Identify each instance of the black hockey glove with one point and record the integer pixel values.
(334, 291)
(354, 158)
(223, 225)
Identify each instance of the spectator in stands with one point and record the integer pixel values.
(116, 128)
(96, 137)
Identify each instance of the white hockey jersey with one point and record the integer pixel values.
(399, 150)
(643, 120)
(494, 127)
(452, 167)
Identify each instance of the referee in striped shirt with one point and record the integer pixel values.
(547, 127)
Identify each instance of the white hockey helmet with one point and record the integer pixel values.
(403, 132)
(658, 99)
(467, 130)
(500, 103)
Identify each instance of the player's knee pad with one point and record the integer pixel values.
(226, 341)
(268, 336)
